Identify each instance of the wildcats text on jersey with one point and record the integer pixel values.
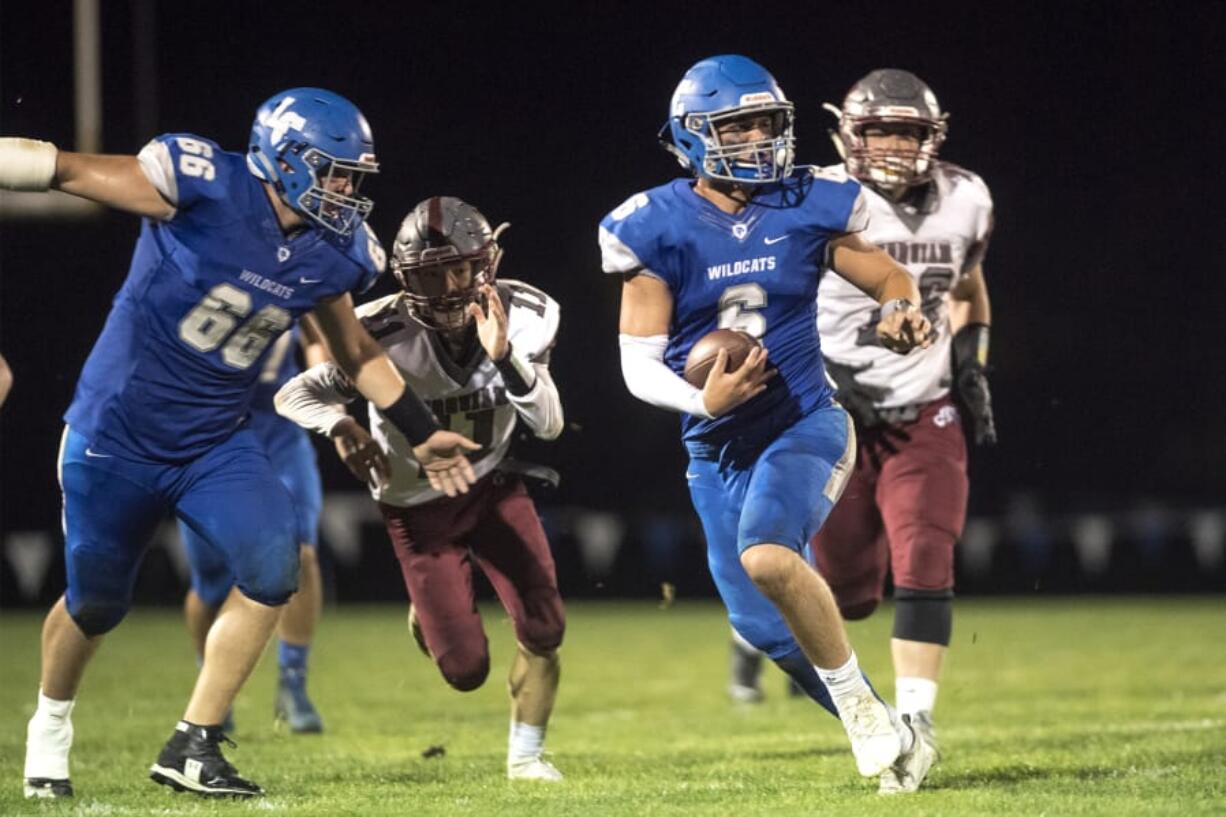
(732, 269)
(260, 282)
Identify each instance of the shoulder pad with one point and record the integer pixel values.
(532, 318)
(366, 251)
(631, 233)
(378, 310)
(962, 179)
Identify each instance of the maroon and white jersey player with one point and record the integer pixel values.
(469, 396)
(476, 351)
(940, 235)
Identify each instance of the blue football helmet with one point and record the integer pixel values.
(314, 147)
(715, 92)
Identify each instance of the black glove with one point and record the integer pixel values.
(970, 351)
(857, 398)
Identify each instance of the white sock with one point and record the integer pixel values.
(843, 682)
(915, 694)
(51, 708)
(49, 739)
(525, 741)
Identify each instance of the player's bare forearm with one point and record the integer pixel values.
(357, 354)
(314, 350)
(969, 301)
(116, 181)
(872, 270)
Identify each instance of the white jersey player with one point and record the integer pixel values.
(478, 356)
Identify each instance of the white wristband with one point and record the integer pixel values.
(26, 164)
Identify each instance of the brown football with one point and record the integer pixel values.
(702, 354)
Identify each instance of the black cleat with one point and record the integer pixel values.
(192, 761)
(47, 788)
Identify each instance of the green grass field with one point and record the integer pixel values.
(1075, 706)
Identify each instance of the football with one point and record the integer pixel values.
(702, 354)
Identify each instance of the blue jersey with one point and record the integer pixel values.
(756, 271)
(280, 365)
(208, 292)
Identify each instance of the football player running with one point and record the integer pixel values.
(905, 504)
(292, 456)
(742, 247)
(478, 352)
(232, 249)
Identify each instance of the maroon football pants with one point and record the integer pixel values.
(903, 509)
(495, 524)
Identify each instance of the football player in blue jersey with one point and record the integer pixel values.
(293, 458)
(742, 246)
(232, 249)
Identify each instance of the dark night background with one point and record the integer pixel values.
(1098, 127)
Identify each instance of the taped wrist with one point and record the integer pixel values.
(27, 164)
(517, 374)
(924, 615)
(412, 417)
(970, 346)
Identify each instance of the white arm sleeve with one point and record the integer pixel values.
(541, 407)
(651, 381)
(314, 398)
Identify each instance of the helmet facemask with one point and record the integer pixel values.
(891, 167)
(332, 199)
(760, 161)
(439, 282)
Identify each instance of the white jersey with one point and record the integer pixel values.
(470, 397)
(939, 241)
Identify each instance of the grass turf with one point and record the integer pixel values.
(1056, 707)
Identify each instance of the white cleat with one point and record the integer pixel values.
(910, 769)
(533, 768)
(874, 739)
(48, 741)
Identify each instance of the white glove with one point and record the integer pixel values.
(26, 164)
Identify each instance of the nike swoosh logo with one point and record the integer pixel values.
(690, 476)
(768, 240)
(90, 453)
(309, 280)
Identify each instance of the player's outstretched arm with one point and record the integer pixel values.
(362, 359)
(903, 326)
(116, 181)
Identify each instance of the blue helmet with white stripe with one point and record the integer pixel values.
(314, 147)
(718, 100)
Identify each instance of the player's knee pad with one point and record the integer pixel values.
(464, 669)
(923, 615)
(98, 617)
(269, 575)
